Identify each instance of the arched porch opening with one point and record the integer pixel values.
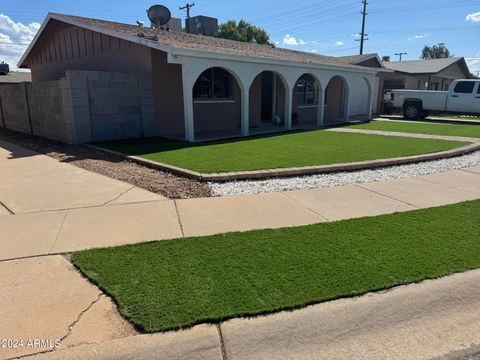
(306, 100)
(216, 104)
(267, 96)
(336, 101)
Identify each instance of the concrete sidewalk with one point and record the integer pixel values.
(420, 321)
(51, 207)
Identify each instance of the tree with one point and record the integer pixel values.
(438, 51)
(386, 59)
(243, 31)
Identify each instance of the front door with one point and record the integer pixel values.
(461, 98)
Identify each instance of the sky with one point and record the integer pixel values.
(318, 26)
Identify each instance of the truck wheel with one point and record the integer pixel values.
(411, 112)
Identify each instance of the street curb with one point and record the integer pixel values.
(295, 171)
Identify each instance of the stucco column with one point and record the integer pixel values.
(245, 125)
(321, 110)
(288, 108)
(274, 95)
(370, 101)
(347, 102)
(187, 81)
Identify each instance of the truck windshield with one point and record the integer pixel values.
(464, 87)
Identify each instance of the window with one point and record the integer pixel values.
(306, 90)
(212, 84)
(464, 87)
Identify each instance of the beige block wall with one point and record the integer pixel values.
(14, 107)
(84, 106)
(46, 109)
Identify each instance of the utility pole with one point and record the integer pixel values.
(363, 35)
(187, 7)
(401, 54)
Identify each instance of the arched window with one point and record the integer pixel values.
(213, 83)
(307, 92)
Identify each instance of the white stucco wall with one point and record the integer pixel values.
(360, 96)
(245, 72)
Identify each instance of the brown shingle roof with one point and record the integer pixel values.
(181, 40)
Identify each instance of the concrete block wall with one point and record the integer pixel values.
(85, 106)
(46, 110)
(15, 112)
(120, 105)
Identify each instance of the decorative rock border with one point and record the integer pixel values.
(296, 171)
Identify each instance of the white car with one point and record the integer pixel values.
(463, 97)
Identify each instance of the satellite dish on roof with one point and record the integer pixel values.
(159, 15)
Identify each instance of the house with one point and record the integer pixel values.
(436, 74)
(192, 87)
(9, 77)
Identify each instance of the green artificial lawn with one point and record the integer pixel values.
(278, 151)
(178, 283)
(422, 128)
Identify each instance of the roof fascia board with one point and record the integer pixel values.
(178, 53)
(34, 41)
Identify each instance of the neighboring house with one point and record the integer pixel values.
(436, 74)
(8, 77)
(202, 87)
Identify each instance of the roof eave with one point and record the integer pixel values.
(176, 50)
(263, 60)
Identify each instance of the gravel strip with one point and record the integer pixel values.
(344, 178)
(113, 166)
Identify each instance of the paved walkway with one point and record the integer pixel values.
(405, 134)
(50, 207)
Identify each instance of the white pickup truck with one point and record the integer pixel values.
(463, 97)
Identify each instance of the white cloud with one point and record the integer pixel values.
(473, 64)
(473, 17)
(356, 36)
(14, 39)
(417, 37)
(339, 43)
(290, 40)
